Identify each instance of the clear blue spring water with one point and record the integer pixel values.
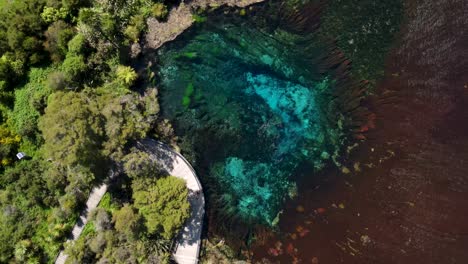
(251, 105)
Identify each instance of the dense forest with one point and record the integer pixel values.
(67, 102)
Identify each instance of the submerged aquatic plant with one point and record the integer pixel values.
(278, 99)
(187, 95)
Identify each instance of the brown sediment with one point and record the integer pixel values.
(407, 202)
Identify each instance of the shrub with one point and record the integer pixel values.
(159, 11)
(77, 44)
(163, 203)
(56, 81)
(57, 36)
(126, 75)
(74, 66)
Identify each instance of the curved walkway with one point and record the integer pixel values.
(189, 240)
(93, 201)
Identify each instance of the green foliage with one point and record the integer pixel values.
(72, 130)
(22, 198)
(30, 100)
(135, 27)
(74, 66)
(78, 251)
(127, 221)
(159, 11)
(57, 81)
(9, 143)
(24, 115)
(101, 219)
(106, 203)
(88, 229)
(132, 33)
(57, 36)
(21, 30)
(51, 14)
(81, 130)
(77, 44)
(138, 164)
(126, 75)
(163, 203)
(6, 73)
(131, 120)
(186, 100)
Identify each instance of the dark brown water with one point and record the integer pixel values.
(411, 206)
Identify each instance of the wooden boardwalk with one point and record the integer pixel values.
(188, 242)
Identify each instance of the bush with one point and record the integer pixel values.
(159, 11)
(74, 66)
(163, 203)
(136, 26)
(57, 36)
(126, 75)
(101, 219)
(77, 44)
(57, 81)
(30, 100)
(24, 115)
(138, 164)
(128, 222)
(51, 14)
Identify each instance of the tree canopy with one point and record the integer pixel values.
(163, 203)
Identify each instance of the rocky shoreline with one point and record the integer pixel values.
(181, 18)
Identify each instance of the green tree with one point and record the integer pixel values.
(72, 130)
(159, 11)
(139, 164)
(9, 143)
(51, 14)
(163, 203)
(101, 219)
(23, 195)
(77, 44)
(57, 36)
(57, 81)
(22, 28)
(125, 121)
(74, 66)
(128, 222)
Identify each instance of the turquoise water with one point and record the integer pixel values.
(250, 102)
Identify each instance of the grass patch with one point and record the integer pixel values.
(88, 229)
(106, 203)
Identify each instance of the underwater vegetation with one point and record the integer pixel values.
(187, 95)
(257, 96)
